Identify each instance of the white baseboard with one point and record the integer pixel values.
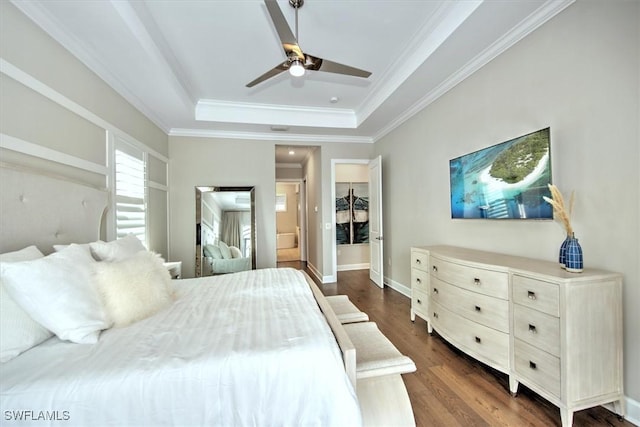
(404, 290)
(349, 267)
(320, 277)
(314, 271)
(632, 410)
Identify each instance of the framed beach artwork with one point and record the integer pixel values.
(504, 181)
(352, 213)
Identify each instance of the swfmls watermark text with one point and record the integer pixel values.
(31, 415)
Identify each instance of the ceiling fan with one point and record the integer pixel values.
(297, 61)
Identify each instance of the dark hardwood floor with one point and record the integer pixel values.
(450, 388)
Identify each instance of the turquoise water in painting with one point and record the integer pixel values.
(475, 194)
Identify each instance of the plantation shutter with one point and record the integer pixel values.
(130, 192)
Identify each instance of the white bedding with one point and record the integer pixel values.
(250, 348)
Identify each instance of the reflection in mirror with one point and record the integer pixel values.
(225, 230)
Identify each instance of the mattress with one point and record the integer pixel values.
(250, 348)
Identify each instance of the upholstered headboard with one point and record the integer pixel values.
(42, 210)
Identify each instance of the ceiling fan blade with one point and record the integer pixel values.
(271, 73)
(288, 40)
(334, 67)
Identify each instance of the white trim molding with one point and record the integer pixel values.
(350, 267)
(273, 136)
(25, 147)
(48, 92)
(268, 114)
(397, 286)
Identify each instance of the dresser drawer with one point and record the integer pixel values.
(486, 310)
(420, 303)
(538, 329)
(419, 260)
(536, 294)
(488, 282)
(485, 344)
(537, 366)
(419, 280)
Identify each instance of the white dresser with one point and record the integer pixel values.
(558, 333)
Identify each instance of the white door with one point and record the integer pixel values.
(375, 222)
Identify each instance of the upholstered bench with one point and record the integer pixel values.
(345, 310)
(375, 354)
(381, 392)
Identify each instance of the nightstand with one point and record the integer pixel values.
(175, 269)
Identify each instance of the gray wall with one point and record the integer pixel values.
(219, 162)
(32, 117)
(222, 162)
(578, 74)
(26, 46)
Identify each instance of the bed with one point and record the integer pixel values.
(252, 348)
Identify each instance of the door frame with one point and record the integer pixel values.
(334, 245)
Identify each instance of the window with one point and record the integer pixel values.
(246, 239)
(130, 194)
(281, 202)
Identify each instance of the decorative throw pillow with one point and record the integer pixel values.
(224, 249)
(117, 250)
(135, 288)
(235, 252)
(212, 251)
(18, 331)
(57, 292)
(86, 246)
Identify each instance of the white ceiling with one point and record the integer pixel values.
(178, 59)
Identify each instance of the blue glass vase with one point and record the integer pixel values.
(563, 251)
(573, 256)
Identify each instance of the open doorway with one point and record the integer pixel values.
(288, 221)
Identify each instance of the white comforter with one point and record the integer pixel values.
(250, 348)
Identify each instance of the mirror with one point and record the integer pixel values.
(225, 230)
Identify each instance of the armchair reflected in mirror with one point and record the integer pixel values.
(225, 230)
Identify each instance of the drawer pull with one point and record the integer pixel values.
(419, 301)
(479, 340)
(533, 365)
(435, 268)
(418, 261)
(435, 314)
(478, 309)
(418, 280)
(531, 295)
(435, 290)
(476, 281)
(532, 329)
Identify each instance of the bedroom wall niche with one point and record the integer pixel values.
(225, 230)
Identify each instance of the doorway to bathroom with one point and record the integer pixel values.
(288, 203)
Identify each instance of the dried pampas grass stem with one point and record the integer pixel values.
(561, 213)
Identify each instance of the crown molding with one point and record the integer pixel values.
(526, 26)
(271, 114)
(266, 136)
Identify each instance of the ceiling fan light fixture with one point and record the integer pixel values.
(296, 69)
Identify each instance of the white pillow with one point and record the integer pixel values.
(27, 254)
(117, 250)
(235, 252)
(57, 292)
(224, 250)
(18, 331)
(86, 246)
(135, 288)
